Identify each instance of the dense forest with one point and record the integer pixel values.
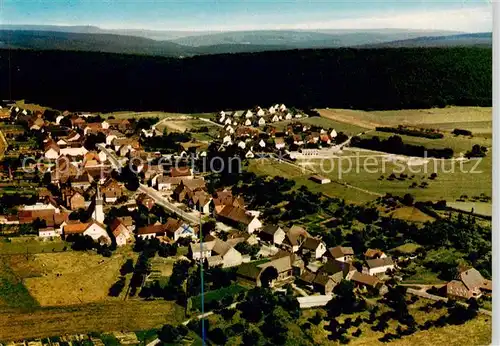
(340, 78)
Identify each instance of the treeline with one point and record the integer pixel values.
(395, 145)
(341, 78)
(401, 130)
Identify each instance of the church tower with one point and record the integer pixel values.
(99, 210)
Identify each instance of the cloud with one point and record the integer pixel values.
(478, 19)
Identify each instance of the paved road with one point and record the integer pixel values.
(113, 159)
(164, 202)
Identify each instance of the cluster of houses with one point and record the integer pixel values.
(252, 133)
(85, 182)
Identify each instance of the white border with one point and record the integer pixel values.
(496, 172)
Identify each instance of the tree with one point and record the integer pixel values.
(169, 334)
(251, 337)
(117, 287)
(268, 275)
(127, 267)
(217, 336)
(408, 199)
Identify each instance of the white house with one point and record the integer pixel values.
(314, 247)
(59, 118)
(298, 115)
(120, 232)
(230, 129)
(248, 114)
(378, 266)
(94, 229)
(228, 121)
(48, 232)
(227, 140)
(204, 250)
(222, 118)
(249, 154)
(79, 151)
(279, 143)
(224, 254)
(248, 122)
(288, 116)
(272, 110)
(282, 107)
(261, 122)
(342, 253)
(262, 143)
(333, 134)
(261, 112)
(275, 118)
(272, 234)
(241, 144)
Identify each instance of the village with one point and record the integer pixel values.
(98, 174)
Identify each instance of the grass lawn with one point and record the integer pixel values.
(21, 245)
(137, 115)
(13, 293)
(84, 318)
(70, 277)
(218, 295)
(407, 248)
(411, 214)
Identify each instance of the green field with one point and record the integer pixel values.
(468, 117)
(24, 245)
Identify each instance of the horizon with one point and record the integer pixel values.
(471, 16)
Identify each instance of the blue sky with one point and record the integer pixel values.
(465, 15)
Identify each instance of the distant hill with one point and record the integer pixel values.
(304, 39)
(93, 39)
(90, 42)
(483, 39)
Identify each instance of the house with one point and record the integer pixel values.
(93, 229)
(238, 216)
(151, 231)
(223, 254)
(164, 182)
(48, 232)
(120, 232)
(341, 253)
(338, 270)
(128, 222)
(51, 150)
(374, 254)
(260, 112)
(145, 200)
(288, 116)
(187, 188)
(273, 234)
(202, 251)
(313, 248)
(111, 190)
(261, 122)
(275, 118)
(279, 143)
(262, 143)
(248, 122)
(320, 179)
(469, 283)
(201, 201)
(248, 114)
(81, 181)
(324, 283)
(241, 144)
(181, 172)
(176, 229)
(325, 139)
(367, 282)
(73, 199)
(251, 273)
(249, 154)
(224, 198)
(378, 266)
(295, 236)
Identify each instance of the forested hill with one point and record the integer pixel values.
(340, 78)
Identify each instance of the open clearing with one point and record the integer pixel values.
(411, 214)
(85, 318)
(70, 278)
(413, 117)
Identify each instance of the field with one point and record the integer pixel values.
(85, 318)
(24, 245)
(478, 207)
(475, 332)
(443, 118)
(137, 115)
(410, 214)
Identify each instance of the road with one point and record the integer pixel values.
(165, 203)
(158, 198)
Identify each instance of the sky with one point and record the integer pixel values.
(230, 15)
